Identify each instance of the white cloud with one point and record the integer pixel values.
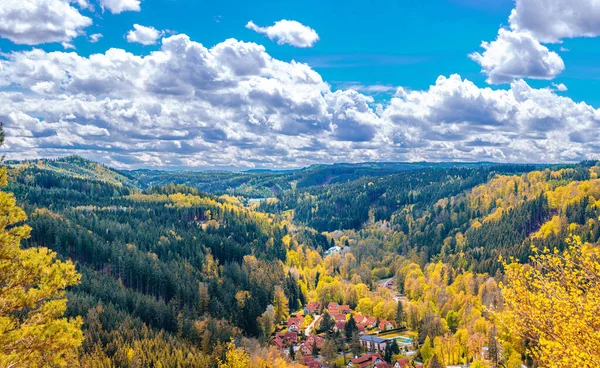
(560, 87)
(144, 35)
(95, 37)
(287, 32)
(515, 55)
(33, 22)
(235, 105)
(455, 119)
(552, 20)
(119, 6)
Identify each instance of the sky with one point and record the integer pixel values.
(284, 84)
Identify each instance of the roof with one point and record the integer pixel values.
(372, 338)
(366, 359)
(403, 362)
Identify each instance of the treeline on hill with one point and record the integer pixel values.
(160, 271)
(350, 205)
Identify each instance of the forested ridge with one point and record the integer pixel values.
(173, 276)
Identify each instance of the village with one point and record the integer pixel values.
(323, 336)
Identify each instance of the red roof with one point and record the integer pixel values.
(403, 362)
(339, 317)
(313, 306)
(295, 321)
(369, 359)
(340, 325)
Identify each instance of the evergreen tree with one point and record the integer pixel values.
(400, 315)
(350, 328)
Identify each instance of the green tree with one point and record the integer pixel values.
(33, 331)
(452, 321)
(292, 353)
(426, 350)
(350, 327)
(400, 314)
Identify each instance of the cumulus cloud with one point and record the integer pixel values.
(119, 6)
(456, 119)
(186, 104)
(560, 87)
(552, 20)
(95, 37)
(287, 32)
(33, 22)
(144, 35)
(515, 55)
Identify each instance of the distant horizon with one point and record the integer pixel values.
(283, 170)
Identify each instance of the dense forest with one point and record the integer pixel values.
(194, 269)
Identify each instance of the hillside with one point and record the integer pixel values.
(171, 273)
(71, 167)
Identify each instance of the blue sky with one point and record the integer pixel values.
(376, 48)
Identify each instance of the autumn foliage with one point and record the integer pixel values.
(553, 305)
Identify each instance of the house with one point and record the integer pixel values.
(344, 309)
(332, 308)
(339, 326)
(332, 250)
(278, 342)
(314, 339)
(335, 308)
(294, 324)
(371, 342)
(368, 360)
(310, 362)
(289, 337)
(402, 363)
(312, 308)
(385, 325)
(306, 349)
(338, 317)
(365, 321)
(284, 339)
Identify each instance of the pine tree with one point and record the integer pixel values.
(400, 315)
(33, 331)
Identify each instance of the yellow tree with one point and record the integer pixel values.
(33, 332)
(235, 357)
(554, 304)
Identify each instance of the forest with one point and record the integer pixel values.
(203, 269)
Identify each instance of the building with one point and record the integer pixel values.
(373, 343)
(312, 308)
(385, 325)
(284, 339)
(368, 360)
(402, 363)
(294, 324)
(310, 362)
(339, 317)
(339, 326)
(335, 308)
(365, 322)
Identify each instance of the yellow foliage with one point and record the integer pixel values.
(554, 303)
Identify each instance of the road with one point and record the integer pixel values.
(391, 285)
(312, 325)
